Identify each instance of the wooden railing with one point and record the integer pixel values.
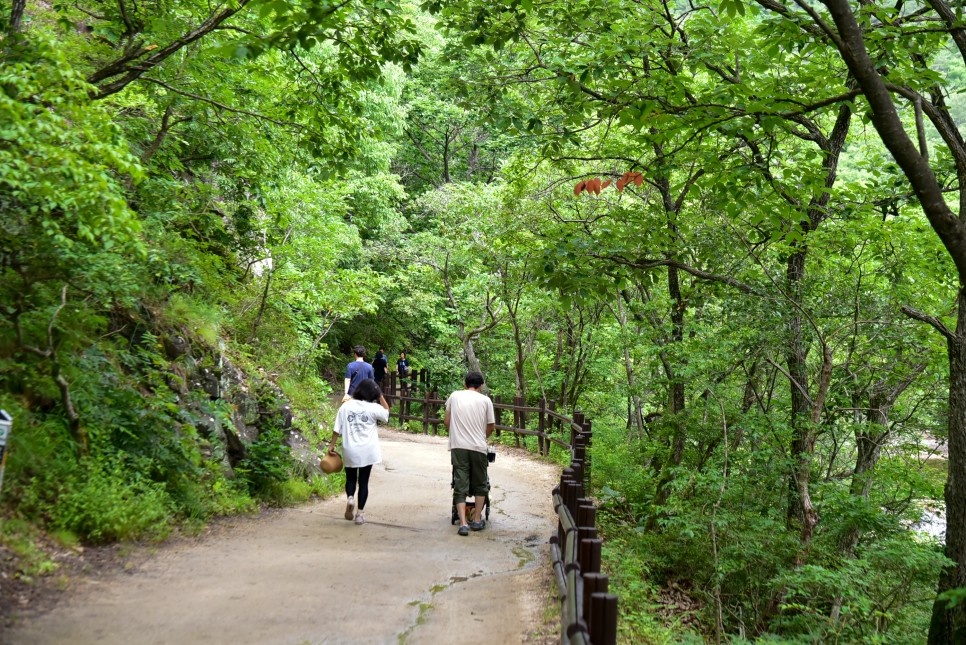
(588, 614)
(418, 393)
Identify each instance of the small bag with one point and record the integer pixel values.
(490, 455)
(331, 464)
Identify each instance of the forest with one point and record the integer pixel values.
(727, 233)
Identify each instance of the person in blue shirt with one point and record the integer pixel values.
(356, 372)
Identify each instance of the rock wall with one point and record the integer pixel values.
(230, 407)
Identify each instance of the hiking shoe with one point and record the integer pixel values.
(478, 526)
(350, 508)
(360, 518)
(464, 530)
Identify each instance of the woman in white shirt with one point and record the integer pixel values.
(356, 424)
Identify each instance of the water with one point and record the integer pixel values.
(933, 522)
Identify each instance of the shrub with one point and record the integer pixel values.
(106, 506)
(267, 463)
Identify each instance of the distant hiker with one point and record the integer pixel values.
(470, 421)
(379, 366)
(356, 424)
(403, 370)
(356, 372)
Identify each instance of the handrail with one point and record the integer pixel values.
(588, 614)
(418, 391)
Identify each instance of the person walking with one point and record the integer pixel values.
(356, 372)
(470, 421)
(403, 370)
(356, 424)
(379, 366)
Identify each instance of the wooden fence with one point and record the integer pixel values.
(588, 614)
(416, 400)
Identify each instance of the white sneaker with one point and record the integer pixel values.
(360, 518)
(350, 507)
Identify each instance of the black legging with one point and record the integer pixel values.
(362, 476)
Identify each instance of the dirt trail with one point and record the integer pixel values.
(306, 575)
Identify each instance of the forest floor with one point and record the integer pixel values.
(306, 575)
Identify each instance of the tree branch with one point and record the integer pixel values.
(129, 73)
(792, 380)
(222, 106)
(698, 273)
(929, 320)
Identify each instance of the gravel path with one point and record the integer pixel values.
(306, 575)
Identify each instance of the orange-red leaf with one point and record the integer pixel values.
(638, 179)
(605, 184)
(596, 181)
(579, 187)
(620, 185)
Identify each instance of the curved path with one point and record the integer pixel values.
(306, 575)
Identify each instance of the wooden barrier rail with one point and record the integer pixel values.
(588, 614)
(429, 409)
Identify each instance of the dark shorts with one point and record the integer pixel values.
(469, 474)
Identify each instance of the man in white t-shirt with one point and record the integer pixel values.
(470, 420)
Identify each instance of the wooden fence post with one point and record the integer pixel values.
(426, 412)
(434, 411)
(589, 554)
(517, 416)
(593, 583)
(543, 446)
(603, 619)
(498, 413)
(393, 398)
(554, 423)
(579, 421)
(407, 401)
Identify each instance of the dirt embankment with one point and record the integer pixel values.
(306, 575)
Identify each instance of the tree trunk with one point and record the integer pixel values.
(558, 368)
(16, 17)
(472, 362)
(868, 444)
(676, 392)
(635, 412)
(948, 624)
(519, 362)
(806, 415)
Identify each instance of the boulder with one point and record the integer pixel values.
(175, 345)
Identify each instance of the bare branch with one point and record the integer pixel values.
(698, 273)
(222, 106)
(929, 320)
(792, 380)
